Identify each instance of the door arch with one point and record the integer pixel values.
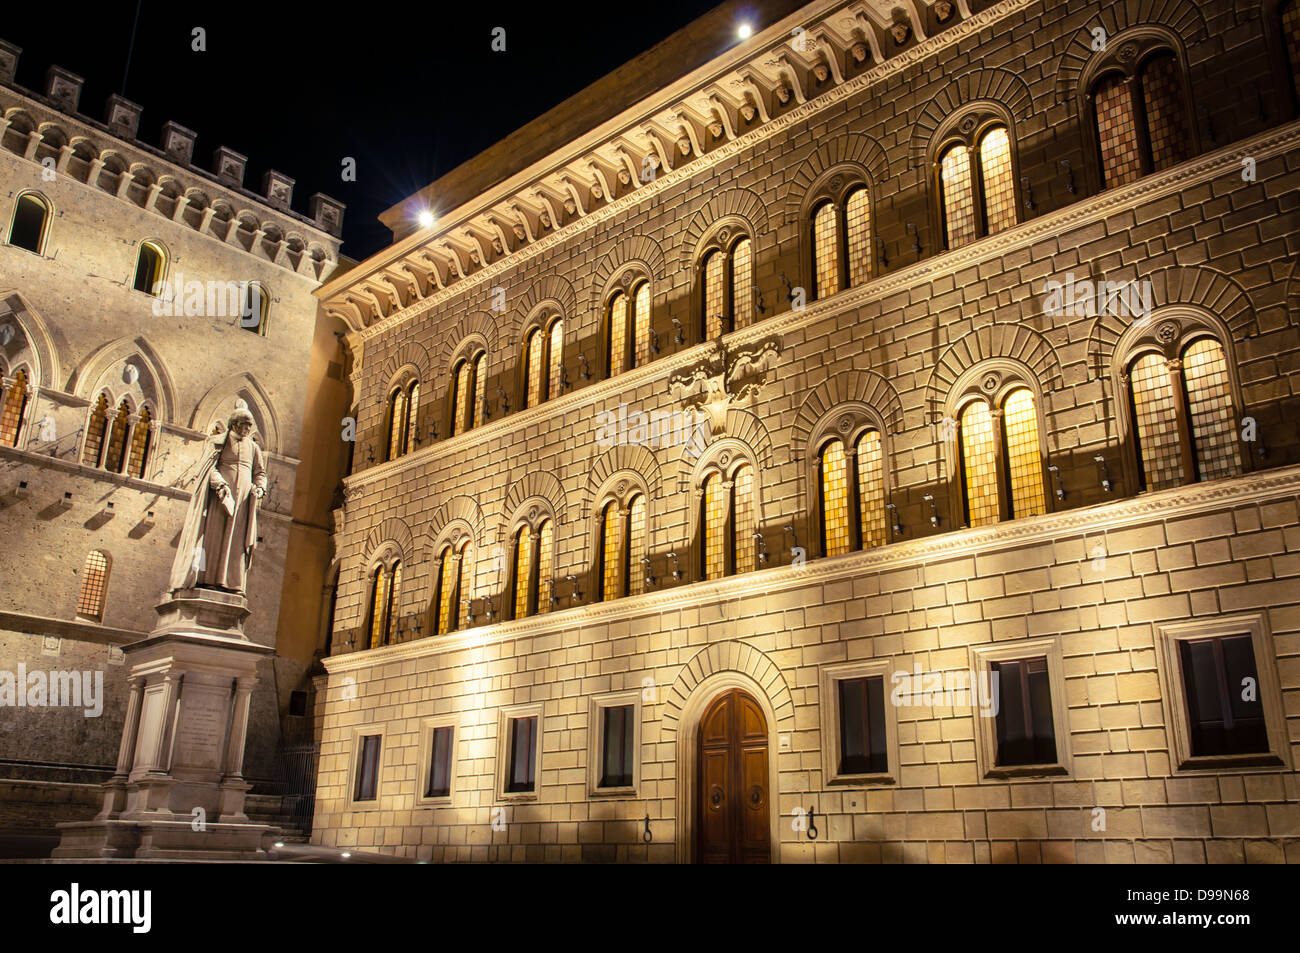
(733, 800)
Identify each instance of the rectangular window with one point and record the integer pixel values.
(521, 776)
(1224, 711)
(1025, 732)
(617, 746)
(439, 783)
(862, 726)
(367, 786)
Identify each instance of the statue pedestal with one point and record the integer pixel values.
(178, 790)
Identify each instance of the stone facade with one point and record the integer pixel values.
(1101, 584)
(76, 328)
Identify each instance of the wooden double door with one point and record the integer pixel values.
(732, 811)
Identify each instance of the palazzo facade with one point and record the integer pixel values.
(871, 440)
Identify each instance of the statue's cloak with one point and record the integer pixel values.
(186, 568)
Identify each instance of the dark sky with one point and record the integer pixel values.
(410, 90)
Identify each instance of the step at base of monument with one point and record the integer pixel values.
(163, 840)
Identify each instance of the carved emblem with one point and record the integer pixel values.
(1167, 332)
(968, 124)
(1127, 52)
(990, 383)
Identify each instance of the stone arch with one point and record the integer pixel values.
(853, 149)
(739, 203)
(729, 656)
(154, 382)
(38, 348)
(391, 530)
(220, 399)
(1014, 341)
(991, 85)
(864, 387)
(459, 510)
(410, 353)
(742, 427)
(541, 484)
(1213, 291)
(633, 249)
(476, 323)
(638, 460)
(1180, 16)
(551, 289)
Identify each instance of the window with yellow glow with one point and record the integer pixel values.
(714, 512)
(642, 325)
(979, 464)
(523, 570)
(636, 545)
(857, 214)
(533, 369)
(96, 430)
(150, 268)
(826, 250)
(835, 500)
(447, 598)
(475, 410)
(998, 180)
(742, 509)
(742, 283)
(140, 445)
(412, 416)
(545, 556)
(460, 399)
(870, 460)
(114, 459)
(1155, 418)
(555, 370)
(1209, 410)
(15, 405)
(94, 586)
(958, 196)
(616, 356)
(397, 423)
(714, 303)
(378, 606)
(393, 614)
(611, 532)
(1023, 454)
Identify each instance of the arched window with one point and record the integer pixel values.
(841, 229)
(544, 581)
(727, 523)
(627, 343)
(999, 458)
(533, 565)
(469, 387)
(728, 277)
(94, 586)
(114, 457)
(977, 185)
(257, 307)
(1139, 110)
(385, 604)
(636, 545)
(403, 418)
(150, 268)
(543, 363)
(141, 438)
(30, 222)
(1183, 416)
(612, 568)
(14, 406)
(452, 588)
(621, 545)
(96, 430)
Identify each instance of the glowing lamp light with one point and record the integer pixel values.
(745, 31)
(425, 218)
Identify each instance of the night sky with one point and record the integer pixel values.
(410, 90)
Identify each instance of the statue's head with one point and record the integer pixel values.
(241, 422)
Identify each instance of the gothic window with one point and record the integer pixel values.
(403, 418)
(627, 343)
(1183, 414)
(728, 283)
(543, 363)
(150, 268)
(114, 457)
(94, 586)
(140, 445)
(469, 387)
(385, 604)
(30, 223)
(96, 429)
(976, 176)
(999, 454)
(1139, 110)
(257, 306)
(452, 588)
(14, 407)
(727, 523)
(841, 236)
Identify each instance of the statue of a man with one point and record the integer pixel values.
(220, 532)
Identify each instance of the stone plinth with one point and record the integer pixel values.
(178, 790)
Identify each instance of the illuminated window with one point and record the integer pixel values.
(545, 557)
(1024, 460)
(257, 305)
(1156, 420)
(555, 363)
(96, 430)
(468, 393)
(1209, 410)
(616, 353)
(1117, 131)
(523, 573)
(403, 417)
(977, 187)
(611, 565)
(636, 545)
(1291, 37)
(742, 283)
(870, 462)
(543, 363)
(15, 406)
(1166, 111)
(94, 585)
(1139, 108)
(642, 324)
(979, 466)
(745, 551)
(533, 369)
(377, 625)
(475, 410)
(115, 456)
(826, 250)
(31, 220)
(714, 295)
(857, 214)
(714, 518)
(834, 500)
(450, 591)
(150, 268)
(140, 440)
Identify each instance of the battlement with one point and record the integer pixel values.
(62, 94)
